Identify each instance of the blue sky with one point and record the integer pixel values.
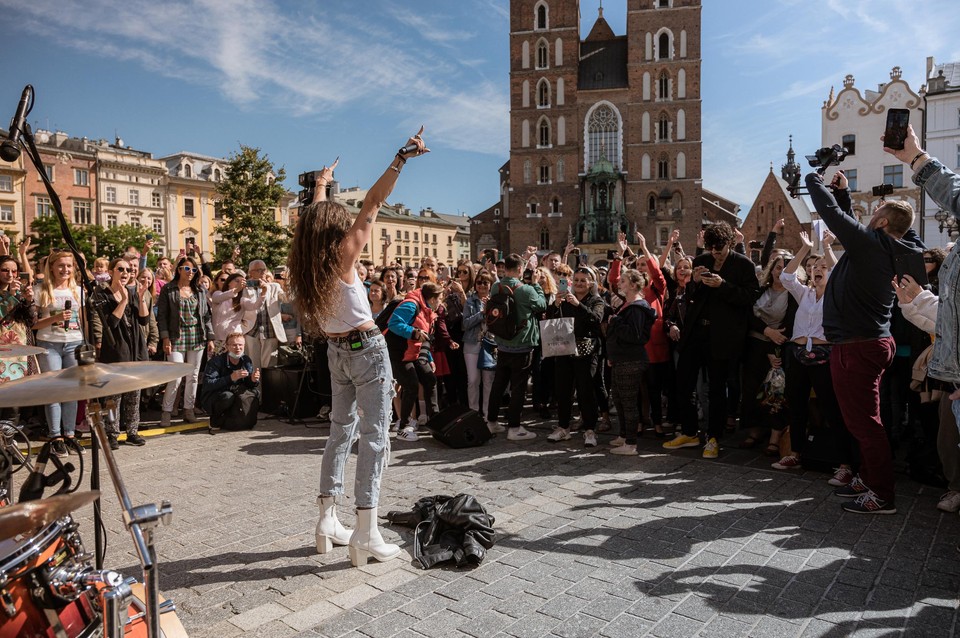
(309, 80)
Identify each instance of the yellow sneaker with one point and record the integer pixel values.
(682, 440)
(712, 449)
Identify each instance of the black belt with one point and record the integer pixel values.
(369, 334)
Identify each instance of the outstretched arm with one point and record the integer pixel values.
(359, 234)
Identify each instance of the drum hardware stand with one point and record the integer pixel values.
(141, 521)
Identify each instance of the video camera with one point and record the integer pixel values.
(823, 159)
(826, 157)
(309, 183)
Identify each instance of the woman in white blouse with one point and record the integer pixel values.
(809, 353)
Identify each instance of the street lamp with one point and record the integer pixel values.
(946, 222)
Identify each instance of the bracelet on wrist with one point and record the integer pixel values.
(403, 160)
(917, 157)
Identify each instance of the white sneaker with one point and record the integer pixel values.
(625, 450)
(520, 434)
(395, 426)
(559, 434)
(617, 442)
(589, 439)
(495, 428)
(949, 502)
(408, 434)
(422, 419)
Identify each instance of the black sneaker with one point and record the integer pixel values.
(58, 447)
(113, 442)
(136, 439)
(853, 489)
(869, 503)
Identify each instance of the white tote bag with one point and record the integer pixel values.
(556, 337)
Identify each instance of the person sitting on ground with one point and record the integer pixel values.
(230, 393)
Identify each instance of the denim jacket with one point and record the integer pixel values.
(472, 322)
(943, 186)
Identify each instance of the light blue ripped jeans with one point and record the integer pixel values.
(362, 385)
(61, 417)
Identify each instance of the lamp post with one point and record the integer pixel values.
(947, 222)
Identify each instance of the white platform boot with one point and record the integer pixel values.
(329, 530)
(367, 541)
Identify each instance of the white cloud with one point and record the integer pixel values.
(262, 58)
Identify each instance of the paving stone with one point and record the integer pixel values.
(674, 626)
(252, 619)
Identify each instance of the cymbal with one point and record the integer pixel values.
(12, 350)
(28, 516)
(89, 382)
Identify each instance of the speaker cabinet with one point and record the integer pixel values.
(459, 427)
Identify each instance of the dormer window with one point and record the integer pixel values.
(187, 171)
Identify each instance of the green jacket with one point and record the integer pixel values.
(530, 304)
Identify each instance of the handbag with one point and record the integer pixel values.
(290, 356)
(488, 354)
(585, 347)
(919, 382)
(556, 337)
(817, 355)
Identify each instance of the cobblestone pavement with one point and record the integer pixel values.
(589, 544)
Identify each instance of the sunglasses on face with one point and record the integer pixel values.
(463, 272)
(423, 279)
(187, 269)
(122, 269)
(483, 283)
(926, 260)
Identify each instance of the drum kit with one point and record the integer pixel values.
(49, 584)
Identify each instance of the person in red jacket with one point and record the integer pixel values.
(658, 347)
(414, 320)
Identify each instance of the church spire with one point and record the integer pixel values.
(600, 10)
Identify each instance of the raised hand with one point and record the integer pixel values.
(828, 238)
(778, 226)
(642, 241)
(416, 141)
(805, 240)
(738, 236)
(675, 236)
(622, 243)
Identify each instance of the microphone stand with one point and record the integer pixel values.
(86, 354)
(141, 521)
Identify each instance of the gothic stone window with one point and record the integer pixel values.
(603, 136)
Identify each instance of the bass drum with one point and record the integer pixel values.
(22, 559)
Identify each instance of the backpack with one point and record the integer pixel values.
(396, 345)
(500, 313)
(620, 333)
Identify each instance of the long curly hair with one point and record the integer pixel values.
(314, 263)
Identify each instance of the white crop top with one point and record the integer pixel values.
(353, 310)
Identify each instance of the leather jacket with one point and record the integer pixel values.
(448, 528)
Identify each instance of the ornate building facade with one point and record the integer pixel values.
(605, 131)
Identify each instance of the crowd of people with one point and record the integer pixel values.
(690, 347)
(227, 323)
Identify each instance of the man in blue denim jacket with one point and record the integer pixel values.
(943, 186)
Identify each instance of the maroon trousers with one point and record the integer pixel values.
(856, 369)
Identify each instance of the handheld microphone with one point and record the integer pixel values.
(67, 305)
(409, 148)
(10, 148)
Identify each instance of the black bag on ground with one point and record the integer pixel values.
(448, 528)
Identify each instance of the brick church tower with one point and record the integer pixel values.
(604, 132)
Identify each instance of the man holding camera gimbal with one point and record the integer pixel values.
(857, 306)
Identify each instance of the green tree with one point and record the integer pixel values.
(93, 240)
(49, 237)
(249, 196)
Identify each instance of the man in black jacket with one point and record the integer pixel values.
(857, 305)
(231, 388)
(720, 297)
